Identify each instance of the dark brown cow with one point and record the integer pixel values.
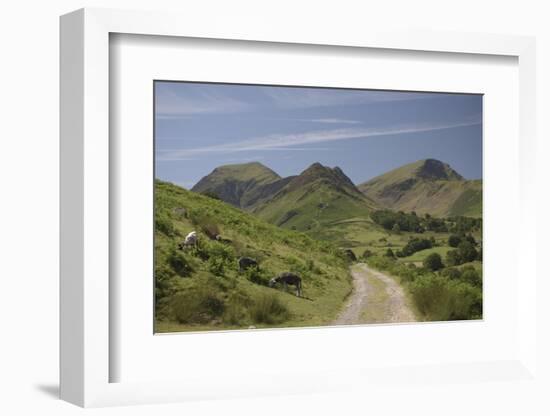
(246, 262)
(286, 279)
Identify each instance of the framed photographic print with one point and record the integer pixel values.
(304, 204)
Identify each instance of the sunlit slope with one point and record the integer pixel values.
(318, 196)
(241, 185)
(426, 187)
(210, 271)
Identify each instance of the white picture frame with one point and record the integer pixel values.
(86, 356)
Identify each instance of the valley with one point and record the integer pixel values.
(392, 249)
(325, 204)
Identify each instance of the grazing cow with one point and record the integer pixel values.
(246, 262)
(286, 279)
(190, 240)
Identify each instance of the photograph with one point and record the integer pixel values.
(299, 206)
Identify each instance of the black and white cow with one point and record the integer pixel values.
(288, 278)
(190, 240)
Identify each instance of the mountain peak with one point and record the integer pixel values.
(237, 183)
(315, 167)
(425, 186)
(240, 168)
(318, 172)
(433, 169)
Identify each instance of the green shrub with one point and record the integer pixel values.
(164, 225)
(165, 283)
(216, 266)
(220, 251)
(416, 244)
(467, 251)
(470, 275)
(162, 271)
(198, 305)
(432, 296)
(451, 273)
(454, 240)
(256, 275)
(268, 309)
(440, 299)
(236, 309)
(453, 258)
(179, 263)
(433, 262)
(466, 302)
(367, 253)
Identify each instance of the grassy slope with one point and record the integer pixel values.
(316, 205)
(325, 204)
(326, 280)
(419, 256)
(361, 233)
(398, 191)
(237, 184)
(244, 172)
(469, 203)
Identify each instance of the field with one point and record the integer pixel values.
(360, 234)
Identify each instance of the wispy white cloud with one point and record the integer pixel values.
(181, 100)
(326, 120)
(290, 142)
(173, 116)
(333, 121)
(290, 98)
(171, 103)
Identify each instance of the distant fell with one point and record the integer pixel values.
(427, 186)
(433, 169)
(241, 185)
(317, 196)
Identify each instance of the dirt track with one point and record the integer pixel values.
(376, 298)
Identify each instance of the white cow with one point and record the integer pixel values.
(190, 240)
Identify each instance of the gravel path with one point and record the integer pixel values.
(394, 309)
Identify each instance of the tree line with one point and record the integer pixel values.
(411, 222)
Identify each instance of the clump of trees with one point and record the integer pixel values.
(411, 222)
(398, 220)
(465, 252)
(456, 239)
(414, 245)
(463, 225)
(433, 262)
(437, 225)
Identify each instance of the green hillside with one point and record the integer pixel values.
(241, 185)
(201, 289)
(324, 203)
(314, 199)
(426, 187)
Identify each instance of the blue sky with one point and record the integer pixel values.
(199, 127)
